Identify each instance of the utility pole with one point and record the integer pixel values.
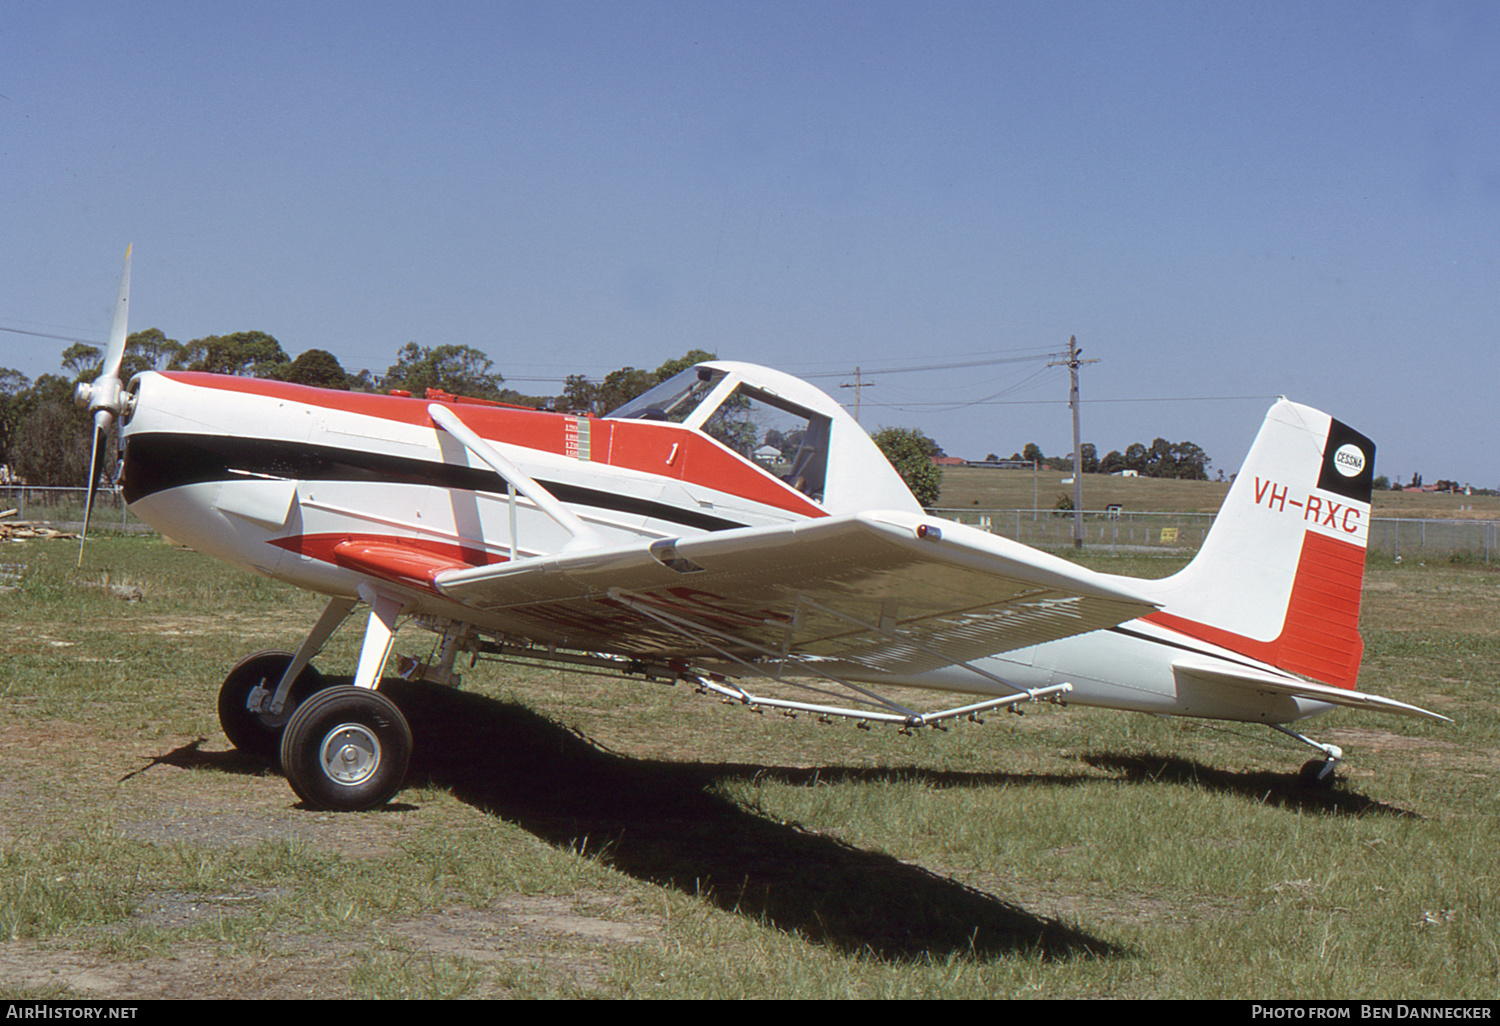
(1073, 363)
(857, 386)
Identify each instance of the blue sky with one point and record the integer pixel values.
(1218, 200)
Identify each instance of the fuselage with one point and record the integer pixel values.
(327, 490)
(272, 477)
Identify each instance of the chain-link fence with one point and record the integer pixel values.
(64, 506)
(1121, 531)
(1133, 531)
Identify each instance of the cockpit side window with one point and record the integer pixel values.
(784, 439)
(673, 400)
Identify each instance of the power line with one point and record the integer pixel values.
(1056, 402)
(44, 334)
(936, 366)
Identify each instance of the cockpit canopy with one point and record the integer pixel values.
(785, 438)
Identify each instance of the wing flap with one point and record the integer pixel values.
(890, 591)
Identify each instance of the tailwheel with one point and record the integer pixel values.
(1317, 774)
(246, 693)
(346, 749)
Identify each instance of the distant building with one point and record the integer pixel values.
(998, 464)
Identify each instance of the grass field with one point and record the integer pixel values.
(568, 835)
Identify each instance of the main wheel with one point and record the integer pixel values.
(251, 730)
(346, 749)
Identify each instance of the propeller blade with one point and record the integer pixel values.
(103, 396)
(102, 421)
(114, 352)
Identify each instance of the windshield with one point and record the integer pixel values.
(674, 399)
(783, 438)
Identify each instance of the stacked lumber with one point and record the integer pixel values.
(18, 530)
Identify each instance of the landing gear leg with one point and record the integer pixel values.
(347, 748)
(1316, 774)
(259, 695)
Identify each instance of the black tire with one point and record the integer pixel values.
(346, 749)
(254, 732)
(1312, 777)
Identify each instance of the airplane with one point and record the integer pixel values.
(731, 526)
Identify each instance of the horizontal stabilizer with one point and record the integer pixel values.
(1222, 674)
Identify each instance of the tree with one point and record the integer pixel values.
(458, 370)
(691, 358)
(149, 350)
(52, 441)
(1089, 455)
(82, 361)
(1191, 462)
(316, 367)
(1160, 460)
(15, 389)
(621, 386)
(246, 353)
(910, 452)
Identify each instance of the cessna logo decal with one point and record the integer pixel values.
(1349, 460)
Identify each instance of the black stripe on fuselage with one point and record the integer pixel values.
(156, 461)
(1194, 649)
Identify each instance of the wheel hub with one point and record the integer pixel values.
(350, 754)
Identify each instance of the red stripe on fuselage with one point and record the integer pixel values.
(661, 449)
(1320, 635)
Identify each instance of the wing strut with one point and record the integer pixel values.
(584, 536)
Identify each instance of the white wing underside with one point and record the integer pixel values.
(869, 589)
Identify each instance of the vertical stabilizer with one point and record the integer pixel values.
(1279, 575)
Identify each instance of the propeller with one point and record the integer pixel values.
(103, 395)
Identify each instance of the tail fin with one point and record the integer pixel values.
(1278, 578)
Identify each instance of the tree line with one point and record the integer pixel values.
(1182, 460)
(45, 437)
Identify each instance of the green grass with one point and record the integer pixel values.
(567, 835)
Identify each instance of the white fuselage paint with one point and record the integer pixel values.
(241, 517)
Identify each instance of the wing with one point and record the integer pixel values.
(893, 592)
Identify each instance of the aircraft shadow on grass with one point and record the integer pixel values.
(662, 822)
(1279, 789)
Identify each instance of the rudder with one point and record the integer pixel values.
(1279, 575)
